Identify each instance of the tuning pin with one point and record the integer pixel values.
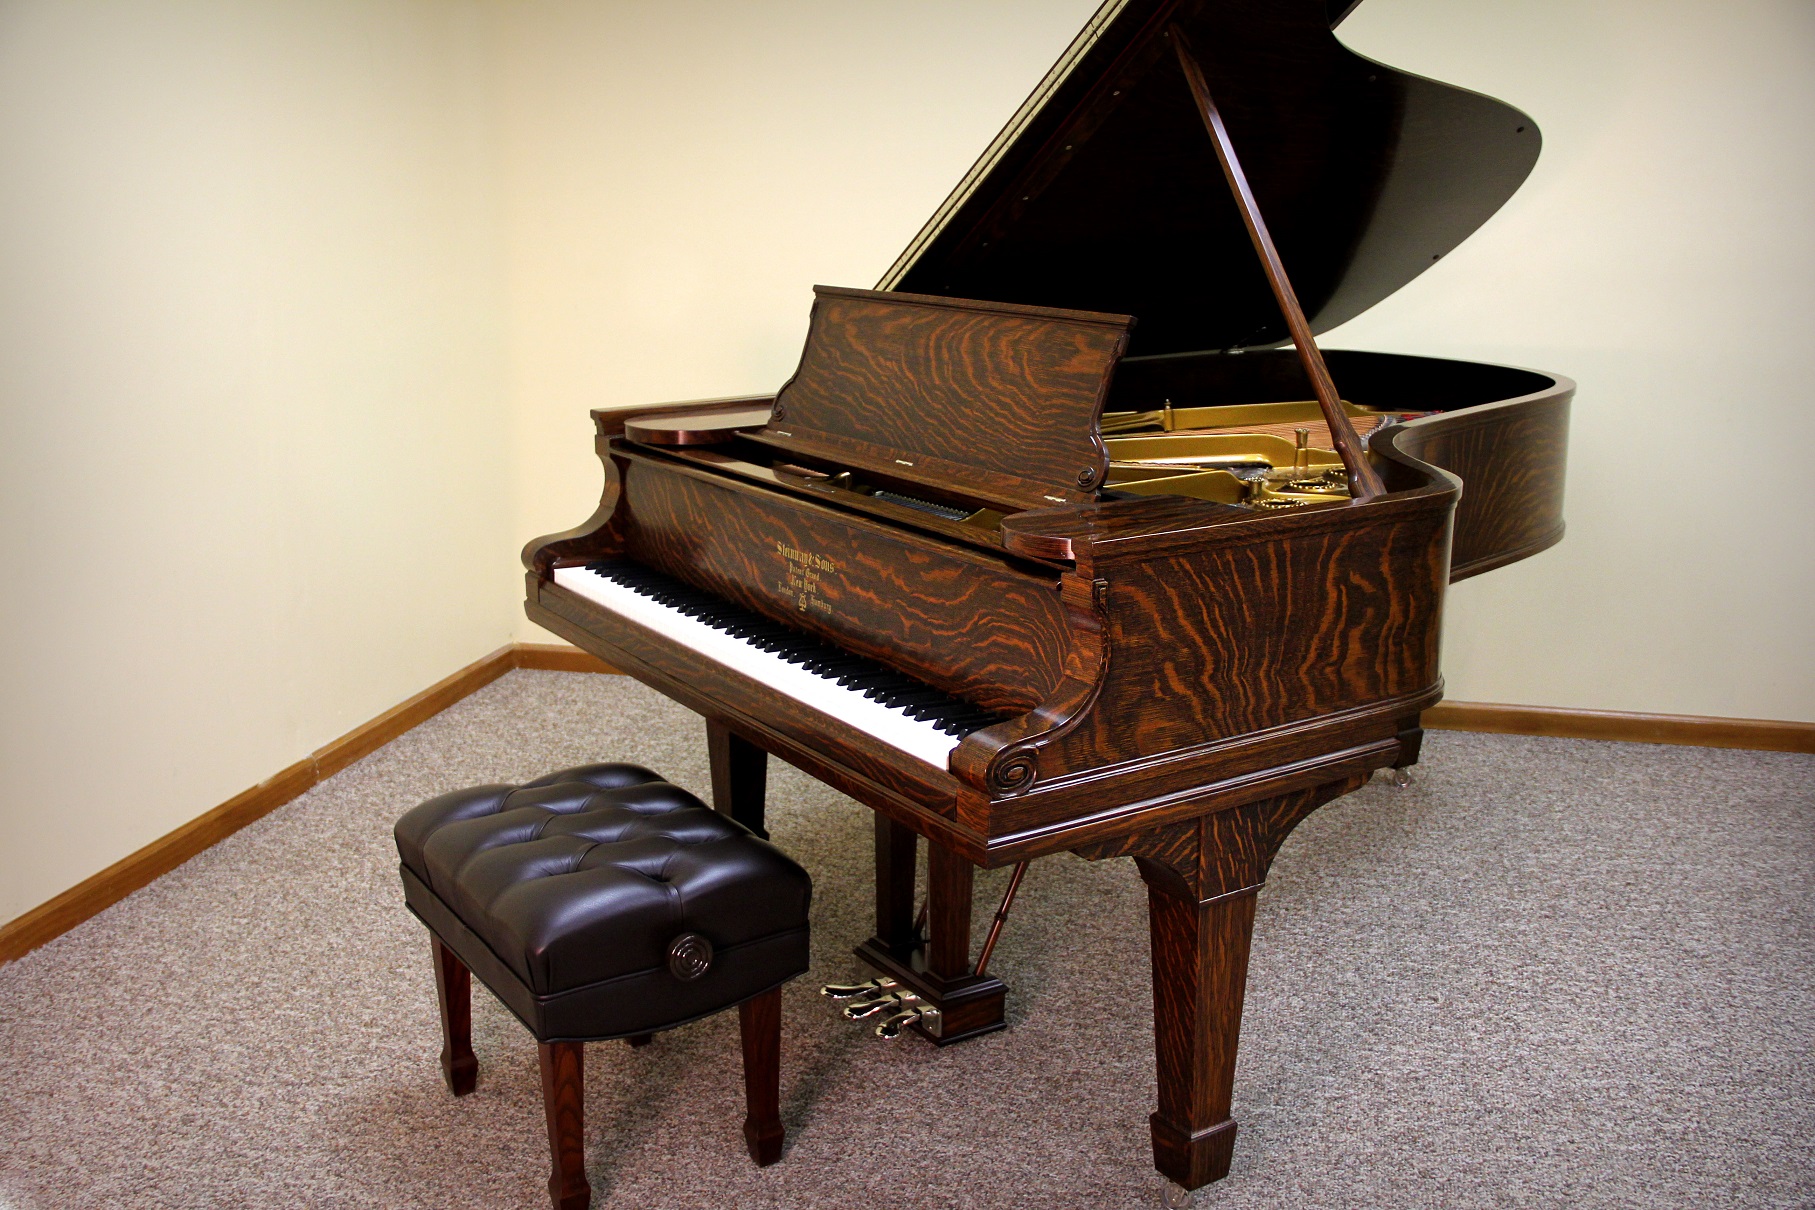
(1261, 496)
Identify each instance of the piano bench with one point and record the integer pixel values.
(598, 903)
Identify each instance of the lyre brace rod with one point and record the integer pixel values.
(995, 926)
(1364, 480)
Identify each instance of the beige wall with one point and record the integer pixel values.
(1663, 255)
(681, 173)
(302, 304)
(251, 387)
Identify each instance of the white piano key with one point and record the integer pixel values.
(917, 738)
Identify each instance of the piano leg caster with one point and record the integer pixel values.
(1174, 1196)
(1399, 779)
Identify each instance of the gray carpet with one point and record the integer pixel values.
(1550, 973)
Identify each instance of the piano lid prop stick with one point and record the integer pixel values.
(1364, 480)
(995, 926)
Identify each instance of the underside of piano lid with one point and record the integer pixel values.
(1062, 329)
(1104, 194)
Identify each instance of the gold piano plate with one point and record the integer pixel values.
(1255, 470)
(1206, 450)
(1220, 486)
(1168, 419)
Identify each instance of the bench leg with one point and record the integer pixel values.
(454, 989)
(563, 1100)
(761, 1022)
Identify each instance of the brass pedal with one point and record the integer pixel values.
(913, 1011)
(884, 995)
(845, 991)
(868, 1006)
(892, 1027)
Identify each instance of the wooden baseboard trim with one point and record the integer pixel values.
(100, 891)
(559, 657)
(1764, 735)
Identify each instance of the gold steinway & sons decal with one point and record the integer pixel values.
(802, 582)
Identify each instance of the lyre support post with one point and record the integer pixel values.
(1364, 480)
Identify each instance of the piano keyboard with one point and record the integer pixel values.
(896, 709)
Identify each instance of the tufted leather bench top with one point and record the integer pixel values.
(570, 894)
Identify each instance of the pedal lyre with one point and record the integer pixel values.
(884, 995)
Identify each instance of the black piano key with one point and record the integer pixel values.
(913, 698)
(913, 695)
(753, 628)
(890, 696)
(946, 707)
(830, 662)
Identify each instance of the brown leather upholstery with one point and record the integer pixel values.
(565, 894)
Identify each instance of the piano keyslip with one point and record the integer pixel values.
(896, 709)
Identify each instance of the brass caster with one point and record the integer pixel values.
(1176, 1197)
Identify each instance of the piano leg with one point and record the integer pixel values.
(1202, 878)
(896, 852)
(740, 775)
(1200, 971)
(938, 970)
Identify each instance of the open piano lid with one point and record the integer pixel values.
(1103, 193)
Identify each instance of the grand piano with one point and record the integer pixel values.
(1068, 538)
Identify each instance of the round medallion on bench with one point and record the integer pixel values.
(602, 902)
(689, 956)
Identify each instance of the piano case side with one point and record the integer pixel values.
(1246, 658)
